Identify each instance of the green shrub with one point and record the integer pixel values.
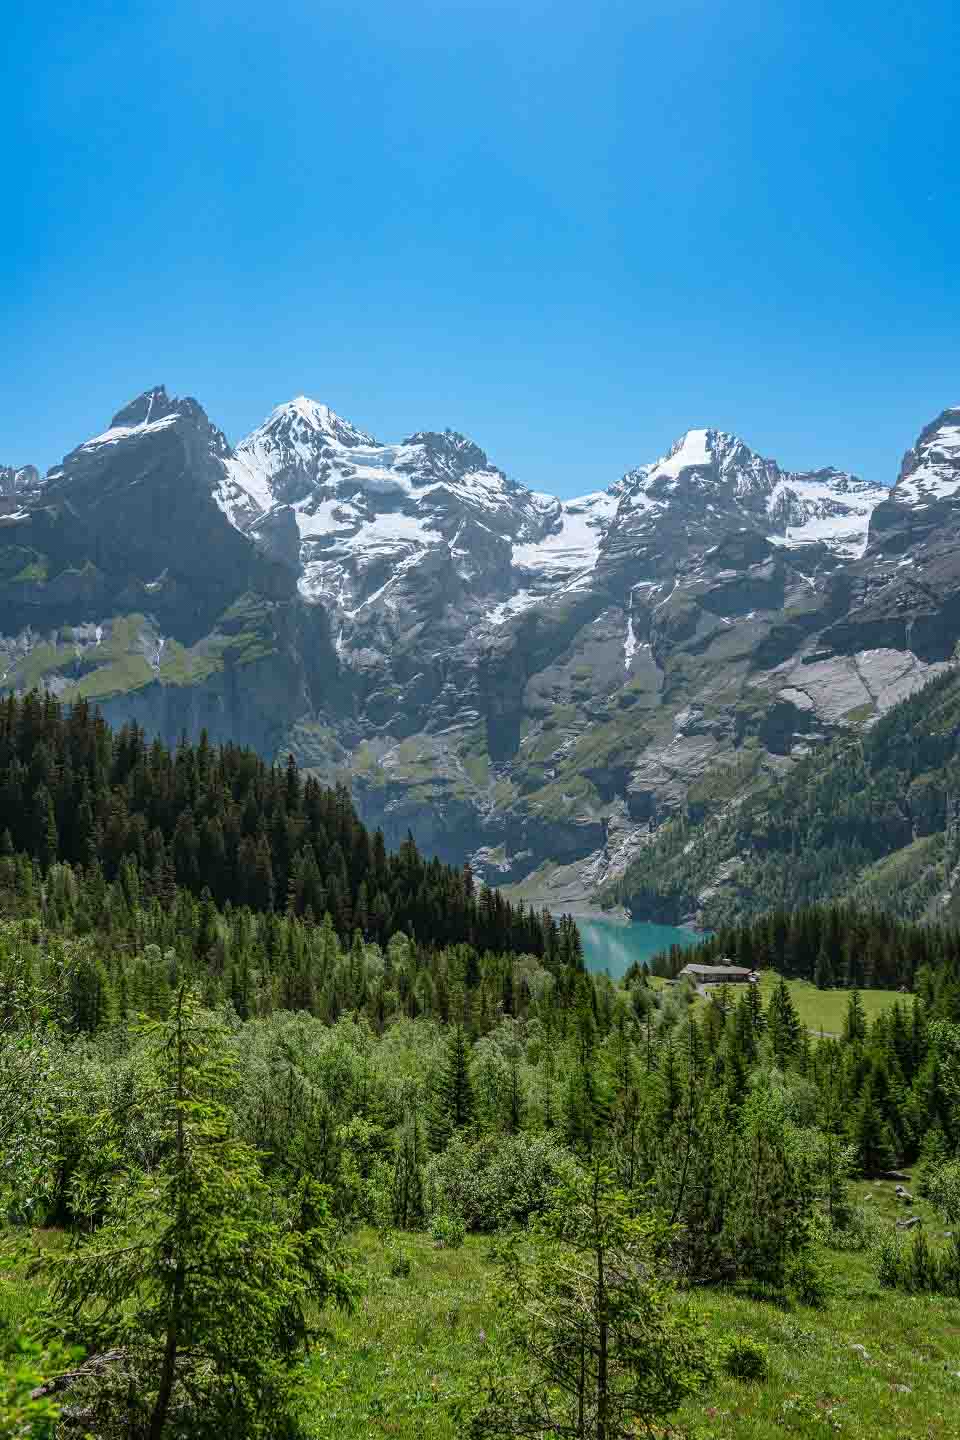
(809, 1281)
(949, 1268)
(919, 1269)
(746, 1360)
(941, 1185)
(497, 1182)
(398, 1257)
(859, 1232)
(921, 1266)
(890, 1262)
(447, 1231)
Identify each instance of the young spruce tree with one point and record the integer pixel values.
(598, 1344)
(199, 1285)
(452, 1107)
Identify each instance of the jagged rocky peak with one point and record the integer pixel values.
(158, 438)
(154, 404)
(703, 465)
(448, 452)
(922, 511)
(149, 416)
(931, 468)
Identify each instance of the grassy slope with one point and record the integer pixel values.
(821, 1011)
(408, 1349)
(394, 1366)
(826, 1010)
(404, 1354)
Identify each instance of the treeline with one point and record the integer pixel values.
(130, 952)
(823, 831)
(838, 946)
(218, 819)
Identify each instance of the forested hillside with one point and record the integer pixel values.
(223, 1125)
(218, 820)
(484, 1094)
(872, 818)
(346, 1110)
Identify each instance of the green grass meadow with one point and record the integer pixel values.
(407, 1352)
(399, 1362)
(823, 1011)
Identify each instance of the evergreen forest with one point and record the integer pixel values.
(267, 1091)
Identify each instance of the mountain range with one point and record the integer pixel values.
(531, 683)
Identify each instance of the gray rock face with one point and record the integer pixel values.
(136, 506)
(532, 681)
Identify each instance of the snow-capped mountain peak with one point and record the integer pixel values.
(702, 458)
(931, 469)
(693, 451)
(304, 419)
(281, 462)
(709, 474)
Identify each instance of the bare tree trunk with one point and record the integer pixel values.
(581, 1395)
(168, 1368)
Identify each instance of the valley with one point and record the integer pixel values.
(545, 688)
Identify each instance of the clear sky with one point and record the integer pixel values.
(570, 230)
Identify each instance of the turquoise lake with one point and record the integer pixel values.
(608, 946)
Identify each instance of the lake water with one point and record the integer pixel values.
(613, 947)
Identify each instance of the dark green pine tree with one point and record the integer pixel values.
(585, 1110)
(206, 927)
(823, 976)
(742, 1034)
(406, 1193)
(452, 1100)
(90, 996)
(45, 827)
(669, 1087)
(871, 1133)
(200, 1276)
(784, 1025)
(514, 1103)
(855, 1024)
(754, 1005)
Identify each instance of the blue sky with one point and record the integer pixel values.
(570, 230)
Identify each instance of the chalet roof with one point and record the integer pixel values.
(717, 972)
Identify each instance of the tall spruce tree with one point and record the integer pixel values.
(855, 1022)
(199, 1285)
(784, 1025)
(452, 1100)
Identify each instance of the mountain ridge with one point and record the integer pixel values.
(532, 682)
